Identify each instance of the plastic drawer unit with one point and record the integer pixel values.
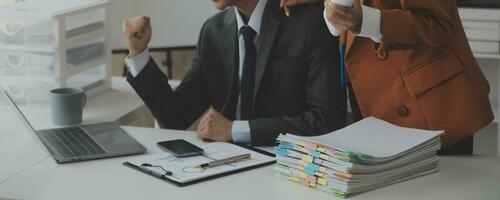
(47, 44)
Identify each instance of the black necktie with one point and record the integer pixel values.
(248, 75)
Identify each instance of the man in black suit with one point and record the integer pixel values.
(258, 72)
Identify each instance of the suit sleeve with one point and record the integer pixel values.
(173, 109)
(325, 98)
(417, 23)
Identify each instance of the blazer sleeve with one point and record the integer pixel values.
(173, 109)
(417, 23)
(325, 98)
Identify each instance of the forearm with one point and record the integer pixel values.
(171, 109)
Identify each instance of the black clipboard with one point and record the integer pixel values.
(179, 184)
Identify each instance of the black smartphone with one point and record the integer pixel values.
(180, 148)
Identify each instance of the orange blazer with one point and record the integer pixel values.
(423, 74)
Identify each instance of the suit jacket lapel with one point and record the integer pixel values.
(229, 46)
(268, 32)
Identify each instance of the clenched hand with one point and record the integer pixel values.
(344, 18)
(214, 126)
(137, 32)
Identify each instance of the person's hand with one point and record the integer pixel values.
(214, 126)
(137, 32)
(344, 18)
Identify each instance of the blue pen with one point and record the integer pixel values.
(343, 79)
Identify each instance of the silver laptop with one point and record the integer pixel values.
(85, 142)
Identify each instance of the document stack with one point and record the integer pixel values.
(482, 27)
(364, 156)
(47, 44)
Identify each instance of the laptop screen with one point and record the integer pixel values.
(18, 111)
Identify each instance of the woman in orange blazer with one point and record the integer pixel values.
(408, 62)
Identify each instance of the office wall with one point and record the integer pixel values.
(175, 22)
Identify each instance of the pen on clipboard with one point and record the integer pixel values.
(224, 161)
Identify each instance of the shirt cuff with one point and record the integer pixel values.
(370, 27)
(241, 132)
(331, 28)
(135, 65)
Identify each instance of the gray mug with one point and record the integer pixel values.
(67, 106)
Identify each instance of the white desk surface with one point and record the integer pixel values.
(473, 177)
(28, 172)
(19, 149)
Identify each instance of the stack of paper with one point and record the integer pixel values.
(364, 156)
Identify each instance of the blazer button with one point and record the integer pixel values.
(403, 111)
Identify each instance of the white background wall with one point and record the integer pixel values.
(175, 22)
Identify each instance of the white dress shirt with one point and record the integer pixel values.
(370, 27)
(241, 129)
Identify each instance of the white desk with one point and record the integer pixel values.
(459, 178)
(20, 150)
(27, 171)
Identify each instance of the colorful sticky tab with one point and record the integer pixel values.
(294, 179)
(343, 175)
(319, 174)
(321, 149)
(302, 175)
(315, 154)
(285, 145)
(309, 171)
(325, 157)
(311, 145)
(313, 166)
(322, 169)
(303, 182)
(307, 158)
(280, 151)
(301, 143)
(312, 184)
(302, 163)
(322, 181)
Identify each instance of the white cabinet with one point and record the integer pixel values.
(482, 27)
(46, 44)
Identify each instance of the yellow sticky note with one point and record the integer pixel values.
(302, 175)
(322, 181)
(294, 179)
(301, 143)
(321, 149)
(312, 184)
(307, 158)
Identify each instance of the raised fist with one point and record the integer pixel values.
(137, 32)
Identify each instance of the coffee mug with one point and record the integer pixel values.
(67, 106)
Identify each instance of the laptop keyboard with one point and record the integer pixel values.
(73, 142)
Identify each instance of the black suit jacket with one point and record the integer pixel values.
(297, 87)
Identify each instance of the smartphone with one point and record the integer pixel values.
(180, 148)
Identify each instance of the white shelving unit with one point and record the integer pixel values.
(72, 40)
(476, 20)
